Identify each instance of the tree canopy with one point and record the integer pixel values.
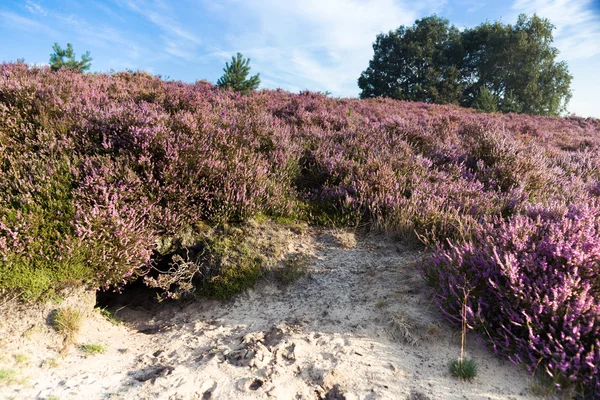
(65, 58)
(493, 66)
(236, 75)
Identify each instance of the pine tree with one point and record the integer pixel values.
(58, 61)
(236, 74)
(485, 101)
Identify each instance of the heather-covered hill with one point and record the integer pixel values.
(104, 176)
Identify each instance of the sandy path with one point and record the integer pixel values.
(359, 325)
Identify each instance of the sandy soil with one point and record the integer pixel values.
(358, 325)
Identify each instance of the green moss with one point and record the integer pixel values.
(236, 264)
(232, 280)
(40, 277)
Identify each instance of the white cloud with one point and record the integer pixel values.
(100, 35)
(35, 8)
(177, 41)
(577, 33)
(109, 12)
(325, 44)
(20, 22)
(471, 6)
(97, 34)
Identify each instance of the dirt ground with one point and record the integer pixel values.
(357, 324)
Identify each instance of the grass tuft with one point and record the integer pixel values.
(403, 327)
(20, 359)
(464, 369)
(7, 376)
(67, 322)
(294, 267)
(92, 348)
(10, 377)
(51, 362)
(109, 316)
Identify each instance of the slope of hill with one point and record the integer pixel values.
(106, 178)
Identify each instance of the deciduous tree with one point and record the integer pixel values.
(419, 63)
(510, 68)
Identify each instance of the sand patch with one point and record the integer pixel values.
(357, 325)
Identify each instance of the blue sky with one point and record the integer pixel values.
(320, 45)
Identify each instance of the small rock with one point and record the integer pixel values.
(416, 395)
(152, 373)
(335, 393)
(256, 384)
(289, 354)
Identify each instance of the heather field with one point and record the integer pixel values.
(105, 177)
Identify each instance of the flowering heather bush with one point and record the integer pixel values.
(112, 222)
(534, 288)
(102, 174)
